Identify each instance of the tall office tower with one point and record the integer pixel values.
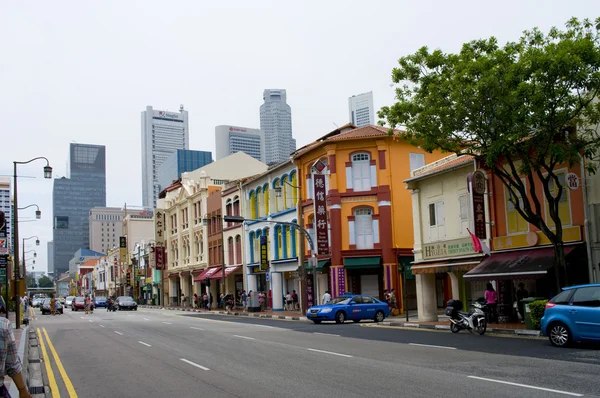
(232, 139)
(72, 199)
(6, 207)
(276, 123)
(180, 161)
(50, 254)
(163, 133)
(361, 110)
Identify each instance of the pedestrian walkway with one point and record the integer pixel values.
(19, 336)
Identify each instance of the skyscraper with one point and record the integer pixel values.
(6, 207)
(180, 161)
(72, 199)
(232, 139)
(163, 133)
(276, 123)
(361, 110)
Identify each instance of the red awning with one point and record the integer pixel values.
(206, 274)
(228, 270)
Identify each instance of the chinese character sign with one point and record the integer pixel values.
(477, 187)
(309, 292)
(264, 255)
(321, 215)
(123, 248)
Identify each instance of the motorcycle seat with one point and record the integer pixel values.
(464, 313)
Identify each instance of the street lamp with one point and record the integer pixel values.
(47, 174)
(38, 212)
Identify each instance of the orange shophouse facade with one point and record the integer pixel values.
(369, 217)
(521, 253)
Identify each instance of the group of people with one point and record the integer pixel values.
(205, 302)
(491, 300)
(390, 298)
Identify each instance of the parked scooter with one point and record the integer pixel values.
(474, 320)
(111, 306)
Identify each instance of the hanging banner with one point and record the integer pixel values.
(320, 220)
(264, 255)
(476, 182)
(123, 248)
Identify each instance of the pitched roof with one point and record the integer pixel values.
(448, 163)
(90, 263)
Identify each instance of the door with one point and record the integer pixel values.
(368, 308)
(355, 308)
(369, 285)
(585, 312)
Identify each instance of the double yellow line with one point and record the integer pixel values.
(61, 369)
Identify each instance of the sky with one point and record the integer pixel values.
(83, 71)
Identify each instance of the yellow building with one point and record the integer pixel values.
(369, 217)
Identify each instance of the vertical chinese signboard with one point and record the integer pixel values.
(321, 215)
(309, 292)
(476, 182)
(159, 250)
(3, 249)
(264, 255)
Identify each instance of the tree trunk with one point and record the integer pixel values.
(560, 269)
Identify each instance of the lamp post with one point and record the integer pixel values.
(38, 212)
(37, 243)
(47, 174)
(291, 224)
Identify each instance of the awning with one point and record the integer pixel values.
(206, 274)
(362, 262)
(320, 264)
(443, 266)
(219, 274)
(523, 263)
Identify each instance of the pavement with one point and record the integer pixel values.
(156, 353)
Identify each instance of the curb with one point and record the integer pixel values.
(513, 332)
(37, 379)
(247, 314)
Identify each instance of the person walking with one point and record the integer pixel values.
(10, 363)
(195, 300)
(326, 297)
(288, 301)
(261, 300)
(205, 301)
(295, 300)
(244, 301)
(491, 301)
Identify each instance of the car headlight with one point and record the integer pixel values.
(326, 310)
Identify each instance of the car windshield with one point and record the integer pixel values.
(100, 298)
(125, 298)
(79, 299)
(340, 300)
(70, 297)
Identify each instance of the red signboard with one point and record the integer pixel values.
(320, 219)
(159, 253)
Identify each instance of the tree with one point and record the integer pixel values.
(30, 281)
(521, 110)
(45, 282)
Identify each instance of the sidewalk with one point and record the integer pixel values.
(517, 329)
(21, 339)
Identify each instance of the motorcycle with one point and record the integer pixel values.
(474, 320)
(111, 306)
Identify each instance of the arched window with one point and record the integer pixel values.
(251, 239)
(236, 206)
(294, 182)
(284, 192)
(230, 251)
(278, 199)
(266, 198)
(278, 242)
(363, 227)
(260, 202)
(238, 249)
(252, 200)
(361, 172)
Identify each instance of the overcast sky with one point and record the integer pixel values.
(82, 71)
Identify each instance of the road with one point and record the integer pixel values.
(158, 353)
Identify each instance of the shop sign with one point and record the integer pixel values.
(321, 215)
(476, 183)
(572, 181)
(264, 255)
(570, 234)
(159, 226)
(449, 248)
(123, 248)
(309, 292)
(341, 280)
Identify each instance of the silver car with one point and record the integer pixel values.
(69, 301)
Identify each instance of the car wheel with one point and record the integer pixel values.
(317, 321)
(43, 312)
(61, 311)
(340, 317)
(379, 316)
(559, 334)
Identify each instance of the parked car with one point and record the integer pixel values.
(45, 307)
(126, 303)
(37, 300)
(349, 307)
(61, 299)
(78, 304)
(69, 301)
(100, 301)
(573, 315)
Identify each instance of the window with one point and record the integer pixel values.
(278, 199)
(236, 206)
(515, 222)
(260, 202)
(361, 172)
(252, 204)
(417, 160)
(288, 242)
(294, 182)
(436, 221)
(363, 227)
(284, 193)
(463, 213)
(564, 209)
(587, 297)
(230, 250)
(238, 249)
(266, 199)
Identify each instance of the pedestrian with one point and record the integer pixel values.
(288, 301)
(195, 300)
(244, 300)
(521, 294)
(182, 300)
(491, 301)
(261, 300)
(210, 301)
(222, 300)
(295, 300)
(393, 302)
(205, 301)
(9, 359)
(326, 297)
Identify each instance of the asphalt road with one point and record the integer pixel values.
(158, 353)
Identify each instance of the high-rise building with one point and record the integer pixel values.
(276, 123)
(232, 139)
(106, 226)
(72, 199)
(6, 207)
(163, 133)
(50, 254)
(361, 109)
(180, 161)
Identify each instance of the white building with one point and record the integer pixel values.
(105, 226)
(232, 139)
(6, 207)
(361, 110)
(162, 133)
(276, 122)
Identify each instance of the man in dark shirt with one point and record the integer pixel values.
(521, 294)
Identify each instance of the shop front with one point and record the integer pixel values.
(364, 275)
(174, 289)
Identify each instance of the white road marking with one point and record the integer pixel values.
(191, 327)
(146, 319)
(526, 386)
(89, 320)
(119, 333)
(194, 364)
(244, 337)
(82, 317)
(433, 346)
(101, 326)
(146, 344)
(329, 352)
(167, 323)
(327, 334)
(264, 326)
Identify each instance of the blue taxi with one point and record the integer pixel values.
(353, 307)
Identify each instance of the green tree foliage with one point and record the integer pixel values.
(45, 282)
(522, 109)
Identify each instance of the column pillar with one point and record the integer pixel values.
(426, 298)
(455, 285)
(276, 290)
(252, 283)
